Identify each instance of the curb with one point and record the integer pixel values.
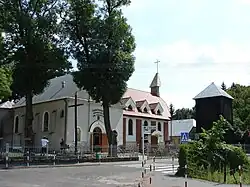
(52, 166)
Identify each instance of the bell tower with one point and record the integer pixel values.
(156, 83)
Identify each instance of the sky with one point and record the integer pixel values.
(196, 41)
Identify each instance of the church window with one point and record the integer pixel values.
(145, 125)
(153, 126)
(16, 124)
(159, 126)
(130, 108)
(46, 122)
(79, 133)
(130, 127)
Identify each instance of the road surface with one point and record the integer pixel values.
(105, 175)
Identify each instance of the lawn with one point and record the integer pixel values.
(219, 177)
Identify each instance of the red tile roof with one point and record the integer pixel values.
(139, 103)
(139, 95)
(153, 105)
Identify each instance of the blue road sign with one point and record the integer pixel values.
(184, 136)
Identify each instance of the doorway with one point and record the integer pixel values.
(97, 136)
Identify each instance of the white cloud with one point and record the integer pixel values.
(186, 69)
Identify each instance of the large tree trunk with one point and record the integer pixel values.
(29, 135)
(110, 134)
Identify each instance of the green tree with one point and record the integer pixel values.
(223, 86)
(171, 110)
(31, 45)
(5, 83)
(102, 43)
(241, 110)
(184, 113)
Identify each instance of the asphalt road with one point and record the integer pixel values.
(105, 175)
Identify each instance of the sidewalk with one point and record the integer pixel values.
(54, 166)
(159, 180)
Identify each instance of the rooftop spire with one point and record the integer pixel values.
(156, 83)
(157, 65)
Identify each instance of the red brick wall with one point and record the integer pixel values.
(138, 131)
(165, 127)
(124, 131)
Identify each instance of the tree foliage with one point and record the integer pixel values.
(211, 154)
(31, 45)
(241, 109)
(184, 113)
(5, 83)
(223, 86)
(102, 43)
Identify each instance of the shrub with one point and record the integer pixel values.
(182, 158)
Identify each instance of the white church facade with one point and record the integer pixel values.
(54, 117)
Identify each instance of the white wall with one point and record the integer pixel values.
(132, 138)
(116, 119)
(56, 123)
(6, 123)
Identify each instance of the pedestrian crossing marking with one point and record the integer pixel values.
(163, 168)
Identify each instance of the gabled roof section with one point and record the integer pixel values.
(124, 101)
(212, 91)
(145, 105)
(128, 101)
(156, 82)
(59, 88)
(156, 106)
(139, 103)
(153, 105)
(7, 104)
(139, 95)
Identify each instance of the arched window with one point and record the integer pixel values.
(145, 110)
(16, 124)
(130, 127)
(159, 126)
(46, 122)
(145, 125)
(79, 134)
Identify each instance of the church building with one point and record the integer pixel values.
(138, 113)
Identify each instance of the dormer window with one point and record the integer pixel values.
(158, 112)
(130, 108)
(145, 110)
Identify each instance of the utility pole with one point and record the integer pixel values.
(75, 106)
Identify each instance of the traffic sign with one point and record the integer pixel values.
(184, 136)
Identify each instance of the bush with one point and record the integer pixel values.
(236, 156)
(182, 158)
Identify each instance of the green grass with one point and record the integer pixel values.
(219, 177)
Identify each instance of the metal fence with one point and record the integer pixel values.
(85, 150)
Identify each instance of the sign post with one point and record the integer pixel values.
(184, 137)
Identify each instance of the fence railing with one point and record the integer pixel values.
(130, 150)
